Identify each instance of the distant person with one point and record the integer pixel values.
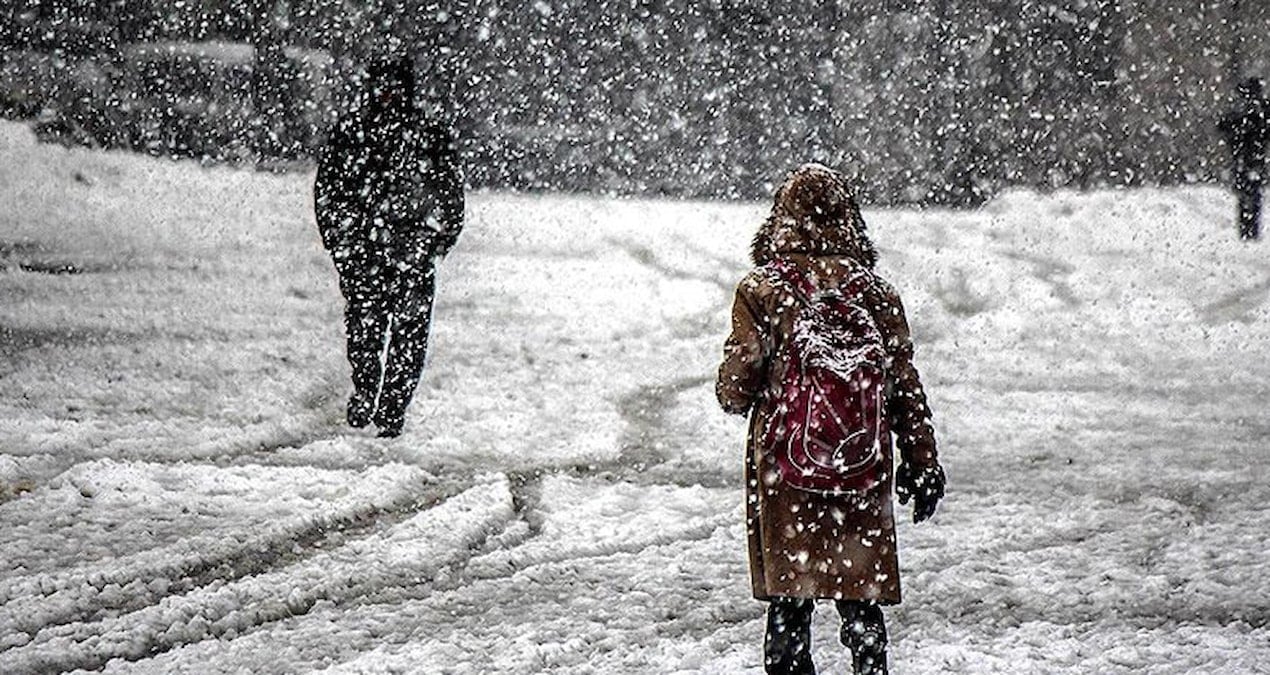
(1246, 129)
(821, 359)
(389, 204)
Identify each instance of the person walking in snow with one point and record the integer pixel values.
(389, 203)
(820, 358)
(1247, 129)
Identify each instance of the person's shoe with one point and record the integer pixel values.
(864, 633)
(870, 662)
(389, 417)
(360, 409)
(390, 430)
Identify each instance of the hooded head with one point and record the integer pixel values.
(814, 212)
(390, 86)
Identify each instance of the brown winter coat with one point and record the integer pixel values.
(802, 544)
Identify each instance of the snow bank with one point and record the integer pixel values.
(573, 518)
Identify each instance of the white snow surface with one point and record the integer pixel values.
(178, 492)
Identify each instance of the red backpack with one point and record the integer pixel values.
(829, 422)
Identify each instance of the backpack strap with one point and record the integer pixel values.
(797, 283)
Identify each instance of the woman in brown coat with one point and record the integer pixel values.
(806, 545)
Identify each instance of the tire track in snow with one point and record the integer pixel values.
(225, 446)
(491, 579)
(509, 562)
(1237, 305)
(734, 269)
(645, 446)
(642, 449)
(410, 553)
(701, 323)
(1050, 271)
(365, 622)
(32, 603)
(644, 440)
(507, 557)
(402, 617)
(16, 340)
(958, 297)
(646, 257)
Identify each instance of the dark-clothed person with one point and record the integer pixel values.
(805, 546)
(389, 203)
(1247, 129)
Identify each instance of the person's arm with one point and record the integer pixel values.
(920, 475)
(743, 372)
(448, 211)
(331, 208)
(907, 410)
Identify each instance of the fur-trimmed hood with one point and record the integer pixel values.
(814, 213)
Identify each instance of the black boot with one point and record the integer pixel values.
(787, 647)
(390, 427)
(864, 633)
(360, 408)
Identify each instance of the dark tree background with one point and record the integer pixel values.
(941, 101)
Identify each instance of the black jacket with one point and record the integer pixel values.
(1246, 130)
(396, 183)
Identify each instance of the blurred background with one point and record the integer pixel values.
(179, 490)
(940, 102)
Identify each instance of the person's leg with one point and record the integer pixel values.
(407, 348)
(864, 633)
(1245, 211)
(787, 646)
(1252, 229)
(365, 322)
(1248, 184)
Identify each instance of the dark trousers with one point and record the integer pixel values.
(787, 646)
(387, 315)
(1249, 210)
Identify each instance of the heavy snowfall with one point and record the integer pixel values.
(180, 492)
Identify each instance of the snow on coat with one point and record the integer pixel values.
(804, 544)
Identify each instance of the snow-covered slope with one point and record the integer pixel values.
(178, 495)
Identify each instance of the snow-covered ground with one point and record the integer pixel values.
(177, 492)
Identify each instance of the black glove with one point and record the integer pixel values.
(924, 487)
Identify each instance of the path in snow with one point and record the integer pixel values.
(182, 496)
